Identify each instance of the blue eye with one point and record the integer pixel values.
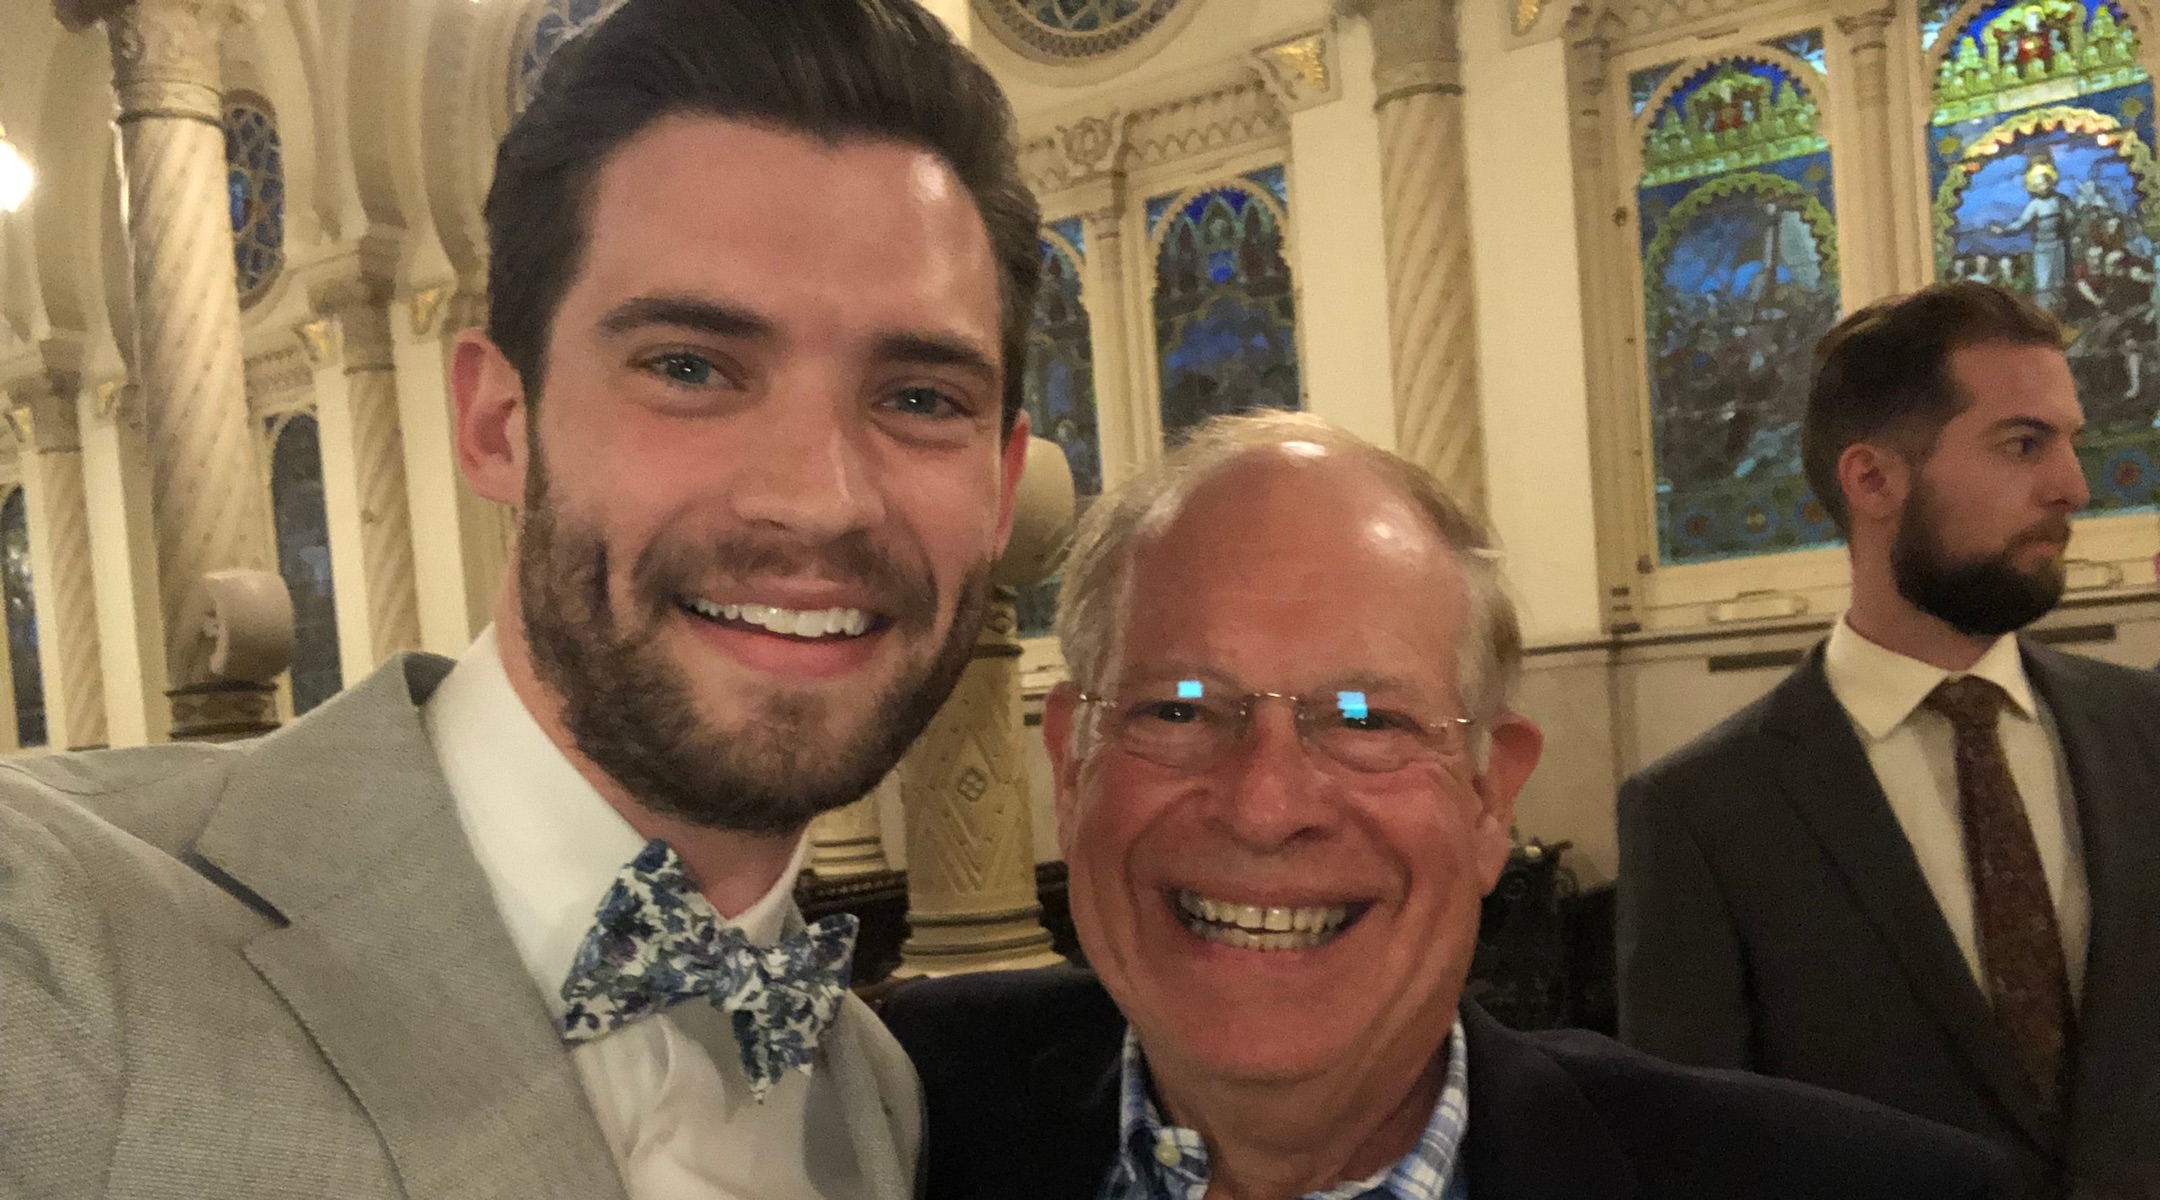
(690, 370)
(924, 402)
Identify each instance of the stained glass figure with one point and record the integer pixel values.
(1643, 84)
(2040, 157)
(1061, 389)
(1225, 312)
(1807, 46)
(1740, 277)
(255, 187)
(303, 546)
(22, 629)
(557, 22)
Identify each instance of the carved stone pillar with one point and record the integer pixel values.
(970, 827)
(58, 514)
(1865, 182)
(1425, 217)
(1128, 435)
(846, 841)
(212, 517)
(364, 457)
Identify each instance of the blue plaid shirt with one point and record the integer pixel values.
(1163, 1162)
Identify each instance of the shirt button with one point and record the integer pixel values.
(1166, 1149)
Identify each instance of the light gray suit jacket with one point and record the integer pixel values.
(274, 969)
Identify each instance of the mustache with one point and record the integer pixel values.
(671, 567)
(2051, 529)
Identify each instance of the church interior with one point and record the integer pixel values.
(1572, 258)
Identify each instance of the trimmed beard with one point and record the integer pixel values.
(1979, 597)
(631, 710)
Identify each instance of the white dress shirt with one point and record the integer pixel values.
(678, 1116)
(1913, 752)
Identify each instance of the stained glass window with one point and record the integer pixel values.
(303, 547)
(1807, 46)
(22, 630)
(1061, 389)
(1071, 29)
(2040, 158)
(1225, 313)
(1740, 278)
(557, 22)
(1643, 84)
(255, 187)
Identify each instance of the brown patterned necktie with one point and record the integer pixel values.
(2021, 950)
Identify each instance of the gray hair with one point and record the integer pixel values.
(1097, 576)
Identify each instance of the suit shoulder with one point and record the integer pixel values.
(991, 1007)
(1692, 1131)
(2134, 683)
(1712, 756)
(161, 795)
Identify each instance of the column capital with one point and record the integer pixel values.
(44, 413)
(1866, 22)
(164, 52)
(1414, 46)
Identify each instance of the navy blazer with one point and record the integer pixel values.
(1020, 1070)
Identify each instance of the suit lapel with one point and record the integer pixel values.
(1532, 1133)
(870, 1126)
(1073, 1094)
(1828, 780)
(393, 956)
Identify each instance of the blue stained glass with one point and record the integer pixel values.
(1934, 14)
(1807, 46)
(1737, 221)
(1074, 231)
(560, 21)
(22, 629)
(1059, 389)
(1643, 84)
(1225, 311)
(303, 546)
(2040, 159)
(255, 189)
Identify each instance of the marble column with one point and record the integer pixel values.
(58, 512)
(1425, 218)
(846, 842)
(972, 904)
(1870, 242)
(350, 346)
(1129, 435)
(224, 640)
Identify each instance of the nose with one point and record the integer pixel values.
(1272, 796)
(2066, 482)
(810, 469)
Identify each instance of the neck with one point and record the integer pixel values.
(1275, 1141)
(733, 869)
(1885, 617)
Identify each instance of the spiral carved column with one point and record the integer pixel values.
(212, 516)
(1425, 215)
(52, 464)
(355, 339)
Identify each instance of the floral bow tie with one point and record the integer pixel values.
(657, 941)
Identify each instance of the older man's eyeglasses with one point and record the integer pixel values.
(1193, 724)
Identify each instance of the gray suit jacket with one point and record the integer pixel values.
(1773, 917)
(274, 969)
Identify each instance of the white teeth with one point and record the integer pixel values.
(1251, 927)
(814, 623)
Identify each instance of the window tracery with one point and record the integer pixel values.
(557, 22)
(1067, 30)
(255, 186)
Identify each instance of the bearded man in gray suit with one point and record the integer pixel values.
(520, 925)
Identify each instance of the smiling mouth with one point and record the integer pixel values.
(808, 625)
(1253, 927)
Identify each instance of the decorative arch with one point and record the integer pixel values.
(1738, 250)
(1225, 306)
(255, 188)
(2040, 157)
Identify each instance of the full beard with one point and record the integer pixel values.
(631, 710)
(1979, 597)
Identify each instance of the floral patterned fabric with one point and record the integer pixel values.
(657, 942)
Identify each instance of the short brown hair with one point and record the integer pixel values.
(1884, 373)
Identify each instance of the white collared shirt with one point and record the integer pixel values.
(1913, 752)
(680, 1120)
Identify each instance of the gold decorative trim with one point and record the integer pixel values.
(1300, 70)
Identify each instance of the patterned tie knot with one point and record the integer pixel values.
(1970, 702)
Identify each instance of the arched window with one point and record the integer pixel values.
(303, 549)
(1738, 243)
(255, 182)
(1061, 388)
(1225, 312)
(2041, 168)
(22, 630)
(1067, 30)
(557, 22)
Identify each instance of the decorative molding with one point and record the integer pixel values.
(323, 340)
(289, 368)
(426, 308)
(1300, 71)
(1220, 110)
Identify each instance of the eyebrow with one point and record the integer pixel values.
(2035, 425)
(682, 312)
(936, 350)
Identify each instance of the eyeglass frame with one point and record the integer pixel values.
(1248, 702)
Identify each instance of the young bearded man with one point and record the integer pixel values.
(1923, 869)
(521, 924)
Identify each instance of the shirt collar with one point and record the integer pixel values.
(548, 843)
(1156, 1159)
(1880, 687)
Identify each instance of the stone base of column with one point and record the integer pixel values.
(1011, 940)
(223, 711)
(845, 843)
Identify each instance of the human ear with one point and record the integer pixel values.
(1514, 745)
(1875, 480)
(1060, 708)
(490, 419)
